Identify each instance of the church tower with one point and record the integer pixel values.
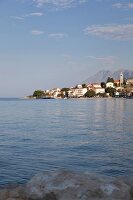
(121, 79)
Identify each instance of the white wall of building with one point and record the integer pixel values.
(99, 90)
(110, 84)
(76, 92)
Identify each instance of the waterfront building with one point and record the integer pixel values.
(109, 84)
(117, 83)
(79, 86)
(97, 88)
(77, 92)
(129, 81)
(54, 92)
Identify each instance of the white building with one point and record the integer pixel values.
(96, 85)
(97, 88)
(79, 86)
(129, 81)
(55, 92)
(77, 92)
(110, 84)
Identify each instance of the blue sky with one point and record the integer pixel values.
(59, 43)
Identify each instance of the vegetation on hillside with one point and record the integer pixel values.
(90, 93)
(38, 93)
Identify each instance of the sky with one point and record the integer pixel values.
(59, 43)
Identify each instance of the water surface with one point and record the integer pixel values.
(94, 135)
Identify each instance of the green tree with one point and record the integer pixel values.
(38, 93)
(109, 79)
(110, 90)
(124, 82)
(66, 91)
(115, 84)
(103, 84)
(84, 85)
(90, 93)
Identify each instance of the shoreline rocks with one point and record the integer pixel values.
(68, 185)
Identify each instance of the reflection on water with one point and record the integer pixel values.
(85, 135)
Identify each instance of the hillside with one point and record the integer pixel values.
(102, 75)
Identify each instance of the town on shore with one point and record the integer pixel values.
(111, 88)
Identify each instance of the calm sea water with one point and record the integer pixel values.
(94, 135)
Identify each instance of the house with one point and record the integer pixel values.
(97, 88)
(55, 92)
(117, 83)
(109, 84)
(79, 86)
(93, 85)
(129, 81)
(77, 92)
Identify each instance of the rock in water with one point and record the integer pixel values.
(67, 185)
(74, 186)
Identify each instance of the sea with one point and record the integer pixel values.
(85, 135)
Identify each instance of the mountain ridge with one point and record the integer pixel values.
(102, 75)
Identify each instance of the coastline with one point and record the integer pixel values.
(74, 98)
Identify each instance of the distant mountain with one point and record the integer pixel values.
(102, 75)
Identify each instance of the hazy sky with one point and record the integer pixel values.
(58, 43)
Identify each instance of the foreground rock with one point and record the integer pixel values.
(64, 185)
